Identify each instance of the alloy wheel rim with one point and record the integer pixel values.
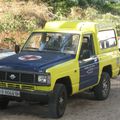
(61, 104)
(105, 87)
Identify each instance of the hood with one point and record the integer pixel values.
(34, 61)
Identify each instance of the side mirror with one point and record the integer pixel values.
(17, 49)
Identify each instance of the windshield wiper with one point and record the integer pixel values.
(30, 49)
(51, 49)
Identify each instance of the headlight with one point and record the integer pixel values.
(44, 79)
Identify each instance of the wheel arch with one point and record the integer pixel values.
(67, 82)
(108, 69)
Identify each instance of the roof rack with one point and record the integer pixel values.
(77, 25)
(102, 26)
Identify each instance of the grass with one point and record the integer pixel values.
(22, 16)
(18, 17)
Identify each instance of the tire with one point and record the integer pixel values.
(57, 102)
(102, 90)
(3, 103)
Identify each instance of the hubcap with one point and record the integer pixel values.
(105, 87)
(61, 100)
(61, 104)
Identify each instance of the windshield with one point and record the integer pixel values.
(57, 42)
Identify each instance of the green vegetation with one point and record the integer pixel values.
(35, 13)
(16, 22)
(9, 40)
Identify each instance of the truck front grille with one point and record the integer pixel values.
(2, 75)
(16, 77)
(27, 78)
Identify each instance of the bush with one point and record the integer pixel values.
(24, 16)
(9, 40)
(17, 22)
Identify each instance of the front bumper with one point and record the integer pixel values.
(32, 96)
(36, 96)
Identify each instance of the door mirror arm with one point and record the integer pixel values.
(17, 49)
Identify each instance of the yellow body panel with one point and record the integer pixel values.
(70, 69)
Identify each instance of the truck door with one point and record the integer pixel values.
(88, 62)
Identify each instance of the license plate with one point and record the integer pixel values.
(13, 93)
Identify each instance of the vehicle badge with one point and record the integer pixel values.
(12, 76)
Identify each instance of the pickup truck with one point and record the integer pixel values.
(58, 61)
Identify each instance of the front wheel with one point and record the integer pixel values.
(102, 90)
(57, 102)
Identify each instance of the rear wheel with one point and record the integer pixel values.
(57, 102)
(102, 90)
(3, 102)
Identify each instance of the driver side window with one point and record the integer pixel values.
(87, 48)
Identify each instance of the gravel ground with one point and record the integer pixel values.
(80, 107)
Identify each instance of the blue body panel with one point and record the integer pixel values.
(89, 72)
(48, 59)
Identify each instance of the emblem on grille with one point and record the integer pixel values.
(12, 76)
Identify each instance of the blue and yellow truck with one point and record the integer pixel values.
(60, 60)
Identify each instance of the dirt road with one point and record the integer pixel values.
(80, 107)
